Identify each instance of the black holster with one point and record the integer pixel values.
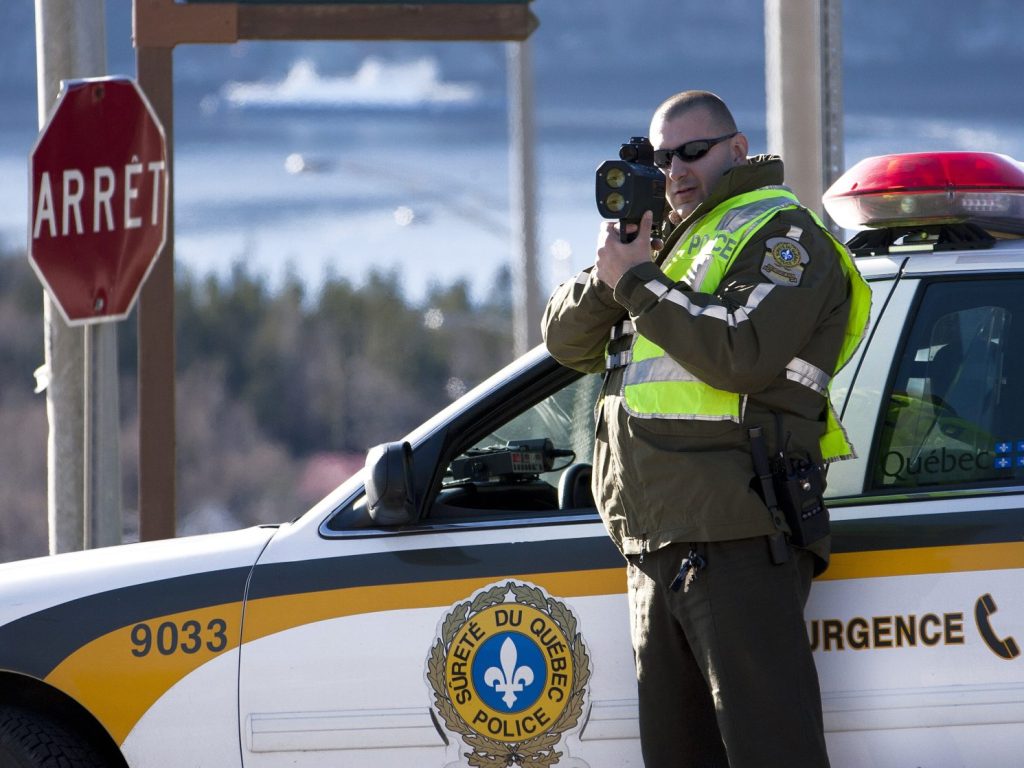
(792, 488)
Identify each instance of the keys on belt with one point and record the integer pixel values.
(688, 570)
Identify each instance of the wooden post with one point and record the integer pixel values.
(157, 460)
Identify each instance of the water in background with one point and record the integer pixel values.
(334, 159)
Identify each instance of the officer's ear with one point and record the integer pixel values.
(738, 146)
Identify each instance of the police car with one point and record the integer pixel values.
(458, 603)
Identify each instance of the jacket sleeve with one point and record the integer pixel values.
(741, 337)
(578, 320)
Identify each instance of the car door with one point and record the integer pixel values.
(917, 624)
(494, 625)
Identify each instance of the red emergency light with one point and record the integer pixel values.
(925, 188)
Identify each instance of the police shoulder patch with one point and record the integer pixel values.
(784, 261)
(509, 673)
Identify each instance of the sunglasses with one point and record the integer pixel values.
(689, 152)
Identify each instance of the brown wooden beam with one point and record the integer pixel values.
(510, 21)
(165, 23)
(157, 460)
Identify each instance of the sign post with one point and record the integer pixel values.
(98, 201)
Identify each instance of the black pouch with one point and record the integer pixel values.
(799, 487)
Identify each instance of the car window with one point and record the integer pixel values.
(537, 460)
(951, 415)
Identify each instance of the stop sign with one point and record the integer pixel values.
(98, 182)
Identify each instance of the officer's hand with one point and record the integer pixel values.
(657, 243)
(615, 258)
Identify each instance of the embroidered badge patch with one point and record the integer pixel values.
(509, 674)
(784, 261)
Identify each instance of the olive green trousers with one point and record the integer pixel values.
(724, 667)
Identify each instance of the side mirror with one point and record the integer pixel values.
(389, 491)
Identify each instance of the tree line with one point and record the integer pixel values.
(280, 389)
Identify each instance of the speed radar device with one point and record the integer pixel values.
(517, 459)
(630, 186)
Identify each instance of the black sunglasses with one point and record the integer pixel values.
(688, 152)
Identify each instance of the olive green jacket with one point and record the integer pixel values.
(658, 481)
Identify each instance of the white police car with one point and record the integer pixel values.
(465, 607)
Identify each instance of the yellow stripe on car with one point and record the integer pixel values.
(121, 674)
(924, 560)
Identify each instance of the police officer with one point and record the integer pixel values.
(740, 320)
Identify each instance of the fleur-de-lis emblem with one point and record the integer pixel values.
(508, 680)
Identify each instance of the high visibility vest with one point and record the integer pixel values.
(656, 386)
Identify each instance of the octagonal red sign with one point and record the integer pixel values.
(98, 186)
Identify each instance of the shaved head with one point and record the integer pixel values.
(681, 103)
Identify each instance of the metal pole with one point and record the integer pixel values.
(793, 86)
(103, 519)
(833, 156)
(526, 299)
(83, 467)
(87, 431)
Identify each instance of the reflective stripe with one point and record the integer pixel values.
(713, 311)
(622, 328)
(657, 287)
(660, 369)
(583, 278)
(759, 294)
(683, 416)
(809, 375)
(618, 359)
(699, 269)
(718, 312)
(657, 369)
(739, 217)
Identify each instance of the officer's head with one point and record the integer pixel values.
(695, 142)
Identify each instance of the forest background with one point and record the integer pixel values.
(280, 392)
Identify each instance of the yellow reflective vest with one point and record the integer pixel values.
(655, 386)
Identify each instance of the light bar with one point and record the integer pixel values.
(930, 188)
